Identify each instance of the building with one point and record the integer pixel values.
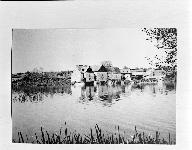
(95, 69)
(155, 73)
(125, 71)
(116, 76)
(127, 77)
(89, 77)
(102, 74)
(137, 73)
(78, 74)
(126, 74)
(159, 73)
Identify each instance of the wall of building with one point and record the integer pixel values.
(124, 71)
(89, 77)
(127, 77)
(76, 76)
(114, 76)
(102, 76)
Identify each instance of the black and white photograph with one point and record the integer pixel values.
(106, 73)
(98, 86)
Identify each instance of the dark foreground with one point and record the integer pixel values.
(96, 136)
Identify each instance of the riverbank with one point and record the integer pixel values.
(96, 136)
(31, 79)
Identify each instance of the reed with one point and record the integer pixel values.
(96, 136)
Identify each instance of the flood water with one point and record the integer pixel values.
(149, 107)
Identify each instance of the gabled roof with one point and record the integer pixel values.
(102, 69)
(79, 67)
(89, 70)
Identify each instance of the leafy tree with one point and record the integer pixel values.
(164, 39)
(125, 67)
(116, 69)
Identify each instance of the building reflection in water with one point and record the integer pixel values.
(107, 95)
(123, 88)
(101, 93)
(90, 92)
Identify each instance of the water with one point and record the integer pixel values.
(150, 107)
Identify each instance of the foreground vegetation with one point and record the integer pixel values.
(96, 136)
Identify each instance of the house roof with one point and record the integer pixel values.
(137, 70)
(102, 69)
(79, 67)
(89, 70)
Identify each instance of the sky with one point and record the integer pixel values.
(62, 49)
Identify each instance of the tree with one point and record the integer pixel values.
(164, 39)
(116, 69)
(108, 65)
(125, 67)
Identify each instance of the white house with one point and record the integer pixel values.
(78, 73)
(155, 73)
(110, 75)
(76, 76)
(137, 73)
(125, 71)
(159, 73)
(116, 76)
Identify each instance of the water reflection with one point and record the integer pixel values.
(153, 89)
(103, 93)
(170, 86)
(36, 94)
(124, 105)
(90, 92)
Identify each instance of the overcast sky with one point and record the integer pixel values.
(62, 49)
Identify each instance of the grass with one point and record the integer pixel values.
(96, 136)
